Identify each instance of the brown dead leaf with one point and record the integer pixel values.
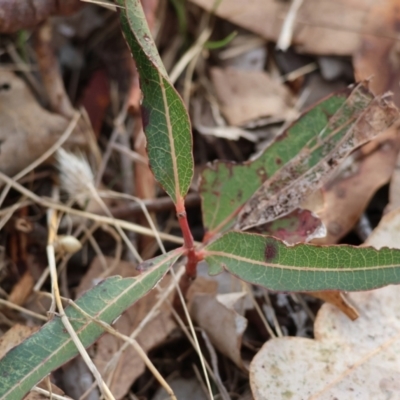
(248, 95)
(130, 365)
(339, 300)
(27, 130)
(394, 188)
(348, 194)
(321, 26)
(221, 316)
(378, 55)
(22, 289)
(15, 336)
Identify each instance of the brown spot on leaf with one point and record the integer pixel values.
(239, 195)
(270, 251)
(262, 173)
(278, 161)
(145, 116)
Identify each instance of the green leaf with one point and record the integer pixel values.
(165, 119)
(266, 261)
(49, 348)
(217, 44)
(299, 161)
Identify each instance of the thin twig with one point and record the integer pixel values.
(52, 219)
(99, 218)
(48, 394)
(23, 310)
(259, 311)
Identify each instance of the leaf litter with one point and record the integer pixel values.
(343, 195)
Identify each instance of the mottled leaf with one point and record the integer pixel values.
(299, 160)
(300, 226)
(26, 364)
(268, 262)
(165, 119)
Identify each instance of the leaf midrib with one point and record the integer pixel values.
(210, 253)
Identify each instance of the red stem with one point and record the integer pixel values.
(191, 266)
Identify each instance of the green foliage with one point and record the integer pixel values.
(49, 348)
(165, 119)
(266, 261)
(299, 160)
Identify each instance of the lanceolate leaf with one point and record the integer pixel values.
(165, 119)
(301, 159)
(266, 261)
(25, 365)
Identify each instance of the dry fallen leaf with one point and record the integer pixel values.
(221, 316)
(320, 27)
(27, 130)
(248, 95)
(218, 304)
(378, 55)
(15, 336)
(346, 360)
(347, 195)
(129, 366)
(339, 300)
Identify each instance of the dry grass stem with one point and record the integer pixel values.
(259, 311)
(52, 221)
(99, 218)
(23, 310)
(134, 344)
(48, 394)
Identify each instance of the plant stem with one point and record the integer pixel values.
(191, 265)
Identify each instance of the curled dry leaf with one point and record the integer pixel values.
(129, 365)
(339, 300)
(16, 15)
